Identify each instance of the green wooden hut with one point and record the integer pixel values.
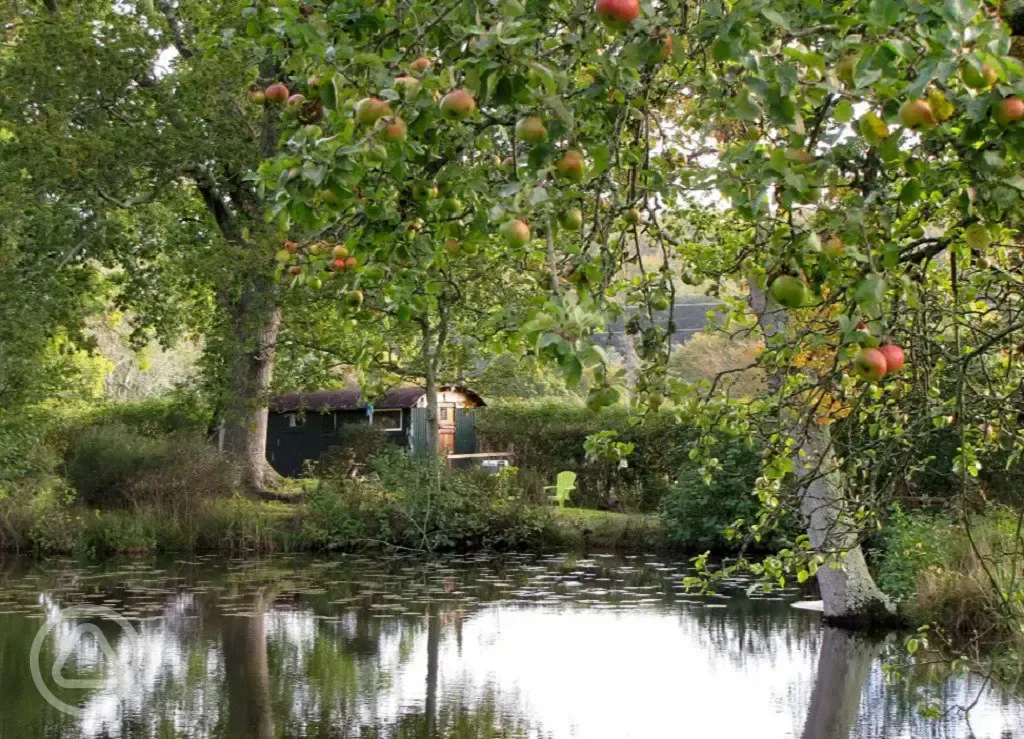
(302, 426)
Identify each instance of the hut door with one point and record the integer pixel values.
(465, 431)
(446, 428)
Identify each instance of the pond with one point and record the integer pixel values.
(512, 646)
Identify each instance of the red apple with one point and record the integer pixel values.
(339, 265)
(296, 270)
(917, 114)
(420, 65)
(870, 365)
(894, 358)
(617, 13)
(665, 52)
(277, 93)
(351, 262)
(834, 247)
(978, 79)
(296, 100)
(411, 84)
(369, 110)
(516, 232)
(572, 219)
(395, 130)
(457, 105)
(1008, 110)
(291, 246)
(570, 166)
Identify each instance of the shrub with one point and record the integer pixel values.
(705, 355)
(55, 523)
(695, 514)
(112, 465)
(548, 437)
(413, 503)
(927, 559)
(179, 412)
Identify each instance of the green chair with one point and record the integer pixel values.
(565, 483)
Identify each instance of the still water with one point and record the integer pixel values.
(516, 646)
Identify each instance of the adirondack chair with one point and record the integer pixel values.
(565, 483)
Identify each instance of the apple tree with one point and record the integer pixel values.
(852, 168)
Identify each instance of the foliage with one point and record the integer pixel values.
(696, 514)
(961, 576)
(178, 412)
(707, 355)
(410, 503)
(112, 464)
(550, 435)
(910, 544)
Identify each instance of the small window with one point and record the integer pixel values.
(388, 420)
(444, 414)
(329, 422)
(295, 421)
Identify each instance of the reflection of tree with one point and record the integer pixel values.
(843, 667)
(24, 713)
(246, 672)
(433, 657)
(751, 629)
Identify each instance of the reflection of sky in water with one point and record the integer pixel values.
(570, 669)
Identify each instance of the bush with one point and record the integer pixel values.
(926, 559)
(179, 412)
(705, 355)
(409, 502)
(113, 465)
(695, 514)
(548, 437)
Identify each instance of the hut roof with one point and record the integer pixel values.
(351, 398)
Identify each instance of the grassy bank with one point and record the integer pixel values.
(962, 577)
(240, 525)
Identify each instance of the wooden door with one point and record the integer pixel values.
(446, 428)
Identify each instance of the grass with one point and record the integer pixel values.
(585, 528)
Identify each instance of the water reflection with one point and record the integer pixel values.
(469, 647)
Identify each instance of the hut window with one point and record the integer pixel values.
(388, 420)
(444, 414)
(330, 422)
(296, 421)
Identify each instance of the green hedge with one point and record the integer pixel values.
(548, 437)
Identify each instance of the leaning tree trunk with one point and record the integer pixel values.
(848, 592)
(255, 321)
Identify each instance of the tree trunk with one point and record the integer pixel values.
(255, 321)
(848, 592)
(844, 664)
(432, 415)
(429, 354)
